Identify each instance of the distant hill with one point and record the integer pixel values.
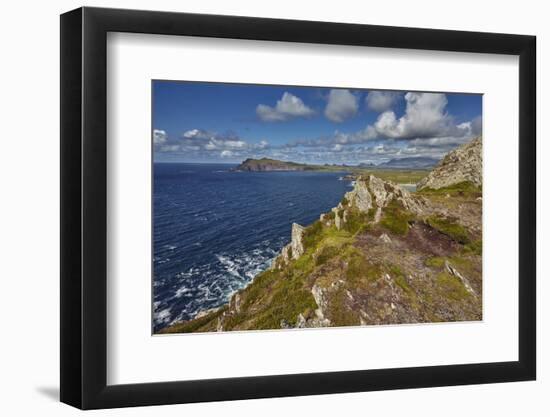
(419, 162)
(267, 164)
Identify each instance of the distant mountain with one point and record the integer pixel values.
(418, 162)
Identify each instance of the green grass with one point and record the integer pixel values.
(450, 228)
(451, 287)
(475, 247)
(313, 234)
(193, 325)
(435, 262)
(396, 219)
(360, 271)
(287, 304)
(326, 253)
(339, 312)
(356, 221)
(465, 188)
(258, 287)
(400, 176)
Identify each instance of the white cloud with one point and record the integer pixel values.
(380, 101)
(196, 133)
(341, 105)
(263, 144)
(226, 154)
(287, 107)
(476, 126)
(425, 117)
(159, 136)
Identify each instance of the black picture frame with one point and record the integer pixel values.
(84, 207)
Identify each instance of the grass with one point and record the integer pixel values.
(396, 219)
(475, 247)
(258, 287)
(194, 325)
(451, 286)
(435, 262)
(287, 303)
(400, 279)
(339, 312)
(356, 221)
(465, 188)
(361, 271)
(313, 234)
(400, 176)
(449, 227)
(326, 253)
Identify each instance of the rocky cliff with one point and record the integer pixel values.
(382, 256)
(464, 164)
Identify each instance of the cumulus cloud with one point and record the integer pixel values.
(196, 133)
(341, 105)
(288, 107)
(425, 117)
(380, 101)
(159, 136)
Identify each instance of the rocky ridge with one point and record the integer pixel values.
(464, 164)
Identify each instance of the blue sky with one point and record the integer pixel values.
(227, 123)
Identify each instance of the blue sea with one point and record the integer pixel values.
(216, 229)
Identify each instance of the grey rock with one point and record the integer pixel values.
(462, 164)
(300, 321)
(385, 238)
(297, 244)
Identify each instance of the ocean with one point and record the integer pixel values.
(214, 229)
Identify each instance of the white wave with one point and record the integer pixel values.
(162, 316)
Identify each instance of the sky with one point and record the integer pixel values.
(227, 123)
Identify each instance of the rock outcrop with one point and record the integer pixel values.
(297, 243)
(464, 164)
(293, 250)
(371, 195)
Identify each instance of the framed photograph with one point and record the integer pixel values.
(257, 208)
